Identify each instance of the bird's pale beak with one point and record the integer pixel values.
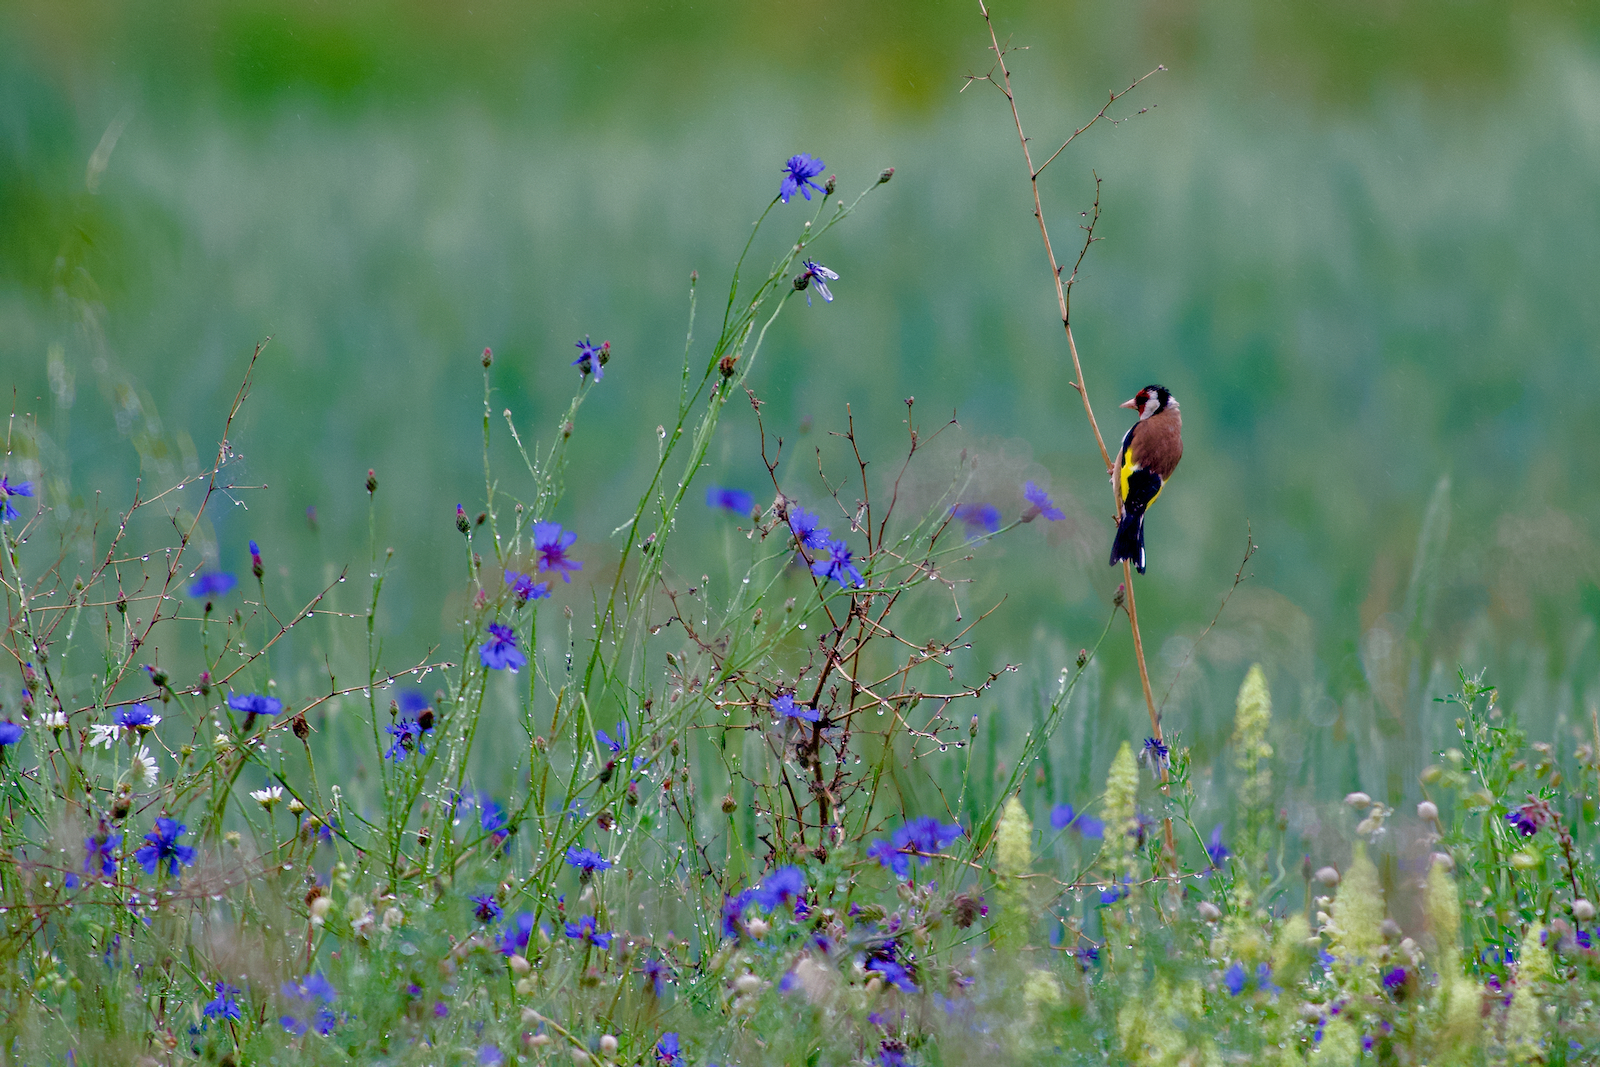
(1132, 405)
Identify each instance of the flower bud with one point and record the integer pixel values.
(1428, 811)
(729, 805)
(885, 174)
(830, 185)
(488, 358)
(462, 522)
(1358, 801)
(1582, 910)
(372, 481)
(758, 928)
(608, 1045)
(1328, 876)
(520, 965)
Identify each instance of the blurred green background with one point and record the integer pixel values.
(1360, 242)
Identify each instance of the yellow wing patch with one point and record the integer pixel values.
(1128, 467)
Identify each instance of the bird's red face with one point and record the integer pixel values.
(1140, 402)
(1151, 399)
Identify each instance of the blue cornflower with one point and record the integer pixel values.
(797, 174)
(892, 1053)
(312, 995)
(815, 276)
(617, 744)
(551, 542)
(7, 491)
(1216, 850)
(491, 816)
(735, 500)
(977, 518)
(656, 973)
(136, 717)
(833, 562)
(10, 733)
(586, 932)
(1039, 504)
(920, 837)
(1395, 980)
(1115, 892)
(524, 588)
(212, 584)
(99, 852)
(224, 1006)
(587, 860)
(1156, 752)
(669, 1053)
(490, 1056)
(786, 885)
(1062, 817)
(255, 561)
(1526, 820)
(513, 940)
(500, 651)
(163, 845)
(787, 708)
(255, 704)
(591, 357)
(808, 529)
(893, 973)
(407, 734)
(487, 909)
(413, 701)
(1235, 978)
(733, 911)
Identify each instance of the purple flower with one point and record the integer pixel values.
(490, 1056)
(212, 584)
(788, 709)
(977, 518)
(407, 734)
(816, 276)
(585, 932)
(808, 529)
(1235, 978)
(894, 974)
(1216, 850)
(255, 704)
(163, 845)
(551, 542)
(1155, 752)
(10, 733)
(797, 174)
(1527, 819)
(668, 1051)
(833, 562)
(499, 651)
(920, 837)
(1062, 817)
(7, 490)
(1113, 893)
(1395, 980)
(735, 500)
(786, 885)
(1039, 504)
(309, 999)
(413, 701)
(892, 1053)
(587, 860)
(591, 358)
(224, 1006)
(619, 743)
(255, 561)
(524, 588)
(488, 909)
(99, 852)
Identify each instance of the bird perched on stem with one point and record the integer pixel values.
(1150, 452)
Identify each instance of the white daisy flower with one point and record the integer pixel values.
(144, 770)
(53, 720)
(103, 735)
(267, 797)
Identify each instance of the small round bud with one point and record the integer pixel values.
(462, 522)
(830, 185)
(885, 174)
(1358, 801)
(1582, 910)
(301, 728)
(608, 1045)
(1328, 876)
(520, 965)
(488, 358)
(1428, 810)
(1209, 911)
(972, 727)
(372, 481)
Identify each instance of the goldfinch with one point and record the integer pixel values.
(1150, 452)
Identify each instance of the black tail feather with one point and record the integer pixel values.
(1129, 542)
